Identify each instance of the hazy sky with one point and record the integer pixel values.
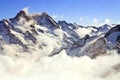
(81, 11)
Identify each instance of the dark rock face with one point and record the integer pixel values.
(45, 20)
(7, 24)
(29, 36)
(22, 14)
(96, 48)
(34, 31)
(104, 28)
(14, 40)
(118, 43)
(112, 30)
(68, 28)
(113, 36)
(63, 24)
(80, 42)
(94, 27)
(118, 39)
(1, 43)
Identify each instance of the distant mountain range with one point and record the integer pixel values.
(39, 34)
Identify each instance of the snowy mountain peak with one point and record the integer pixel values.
(104, 28)
(45, 20)
(22, 14)
(44, 14)
(40, 32)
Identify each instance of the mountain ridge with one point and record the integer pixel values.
(38, 32)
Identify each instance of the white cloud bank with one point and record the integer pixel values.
(83, 18)
(83, 31)
(107, 21)
(95, 21)
(60, 67)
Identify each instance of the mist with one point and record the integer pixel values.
(60, 67)
(35, 62)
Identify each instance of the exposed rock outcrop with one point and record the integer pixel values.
(112, 30)
(45, 20)
(22, 14)
(96, 48)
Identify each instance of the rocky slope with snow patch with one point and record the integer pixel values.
(41, 34)
(36, 47)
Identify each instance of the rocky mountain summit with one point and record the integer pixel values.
(41, 35)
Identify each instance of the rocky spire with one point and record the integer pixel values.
(23, 14)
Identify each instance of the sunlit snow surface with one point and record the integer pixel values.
(36, 65)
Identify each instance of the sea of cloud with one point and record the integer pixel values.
(60, 67)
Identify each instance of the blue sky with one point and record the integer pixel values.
(85, 12)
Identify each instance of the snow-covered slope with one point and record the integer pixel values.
(36, 47)
(29, 33)
(41, 33)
